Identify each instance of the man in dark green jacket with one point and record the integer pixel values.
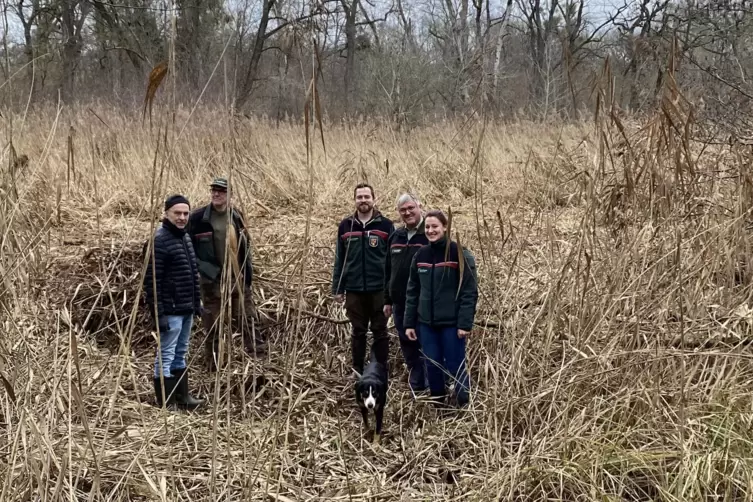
(404, 244)
(221, 241)
(358, 275)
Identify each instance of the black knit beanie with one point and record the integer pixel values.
(176, 199)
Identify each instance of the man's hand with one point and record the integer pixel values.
(387, 309)
(463, 333)
(163, 325)
(410, 334)
(340, 298)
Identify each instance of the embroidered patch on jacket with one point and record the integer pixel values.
(373, 241)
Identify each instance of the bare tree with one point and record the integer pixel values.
(73, 16)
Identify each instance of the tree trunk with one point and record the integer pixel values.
(351, 11)
(253, 65)
(72, 44)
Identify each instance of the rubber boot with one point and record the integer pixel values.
(358, 351)
(183, 397)
(170, 392)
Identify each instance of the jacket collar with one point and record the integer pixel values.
(440, 244)
(374, 217)
(419, 227)
(167, 224)
(208, 213)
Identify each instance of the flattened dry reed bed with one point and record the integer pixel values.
(610, 362)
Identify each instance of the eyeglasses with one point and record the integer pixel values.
(218, 190)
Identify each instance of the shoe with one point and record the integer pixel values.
(170, 391)
(418, 386)
(183, 398)
(358, 353)
(438, 400)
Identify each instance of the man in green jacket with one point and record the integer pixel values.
(403, 245)
(220, 238)
(358, 275)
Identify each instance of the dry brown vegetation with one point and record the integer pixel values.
(610, 360)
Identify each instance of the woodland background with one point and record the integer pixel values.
(408, 62)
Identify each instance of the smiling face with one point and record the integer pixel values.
(434, 229)
(364, 200)
(410, 213)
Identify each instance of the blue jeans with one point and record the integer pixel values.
(445, 356)
(411, 352)
(174, 345)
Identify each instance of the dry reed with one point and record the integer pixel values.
(609, 361)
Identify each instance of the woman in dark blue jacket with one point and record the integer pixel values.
(441, 304)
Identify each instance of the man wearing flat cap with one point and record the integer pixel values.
(221, 241)
(171, 290)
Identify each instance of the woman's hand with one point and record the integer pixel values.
(410, 334)
(463, 333)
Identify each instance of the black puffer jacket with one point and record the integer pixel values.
(175, 271)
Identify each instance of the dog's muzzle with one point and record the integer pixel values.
(370, 401)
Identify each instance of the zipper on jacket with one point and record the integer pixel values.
(433, 271)
(364, 243)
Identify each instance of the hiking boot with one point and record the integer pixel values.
(183, 398)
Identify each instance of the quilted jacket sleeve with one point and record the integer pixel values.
(154, 276)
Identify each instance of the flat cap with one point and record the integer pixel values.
(219, 183)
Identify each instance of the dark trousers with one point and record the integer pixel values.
(241, 318)
(411, 350)
(445, 357)
(365, 310)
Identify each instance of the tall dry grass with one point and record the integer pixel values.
(610, 361)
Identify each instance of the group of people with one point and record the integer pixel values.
(201, 259)
(415, 274)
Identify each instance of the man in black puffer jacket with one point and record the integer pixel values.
(172, 273)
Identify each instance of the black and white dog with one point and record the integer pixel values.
(371, 394)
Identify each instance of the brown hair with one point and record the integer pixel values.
(436, 213)
(363, 185)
